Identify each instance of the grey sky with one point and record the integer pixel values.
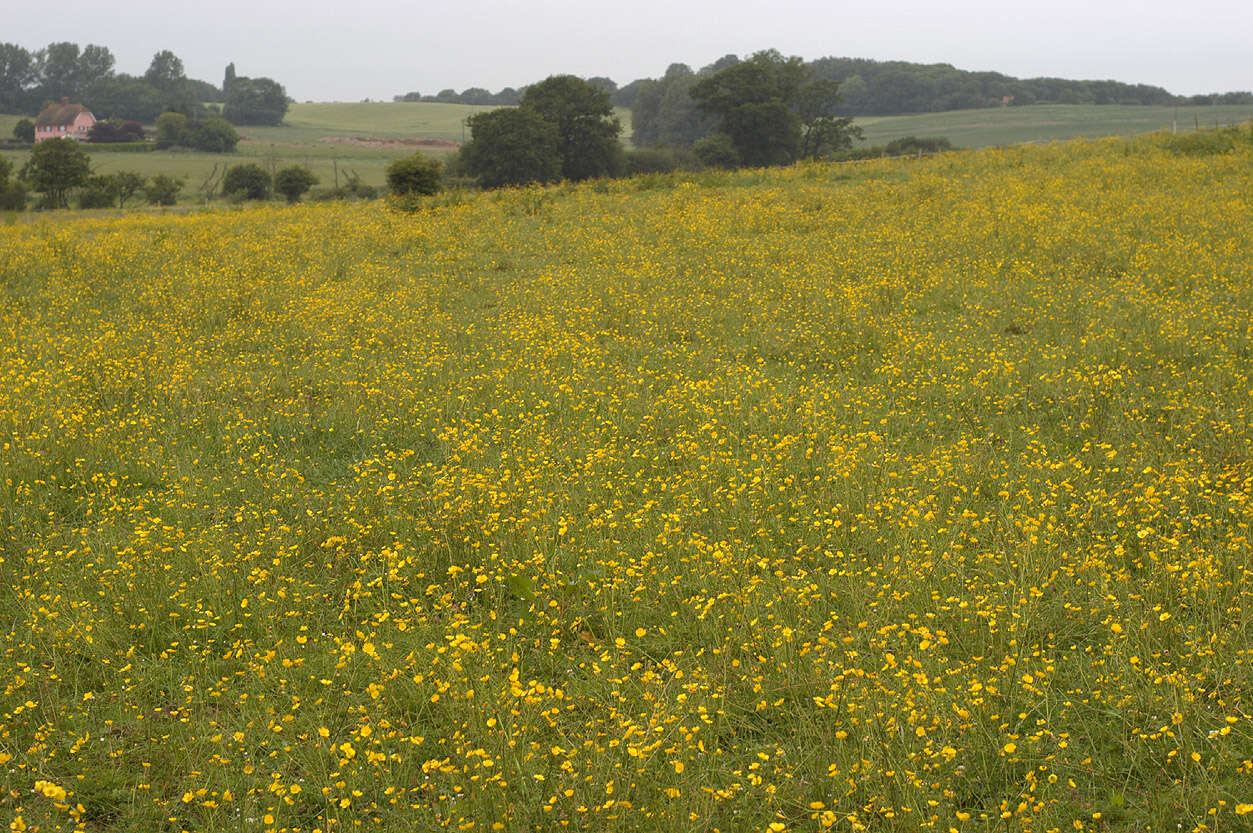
(326, 50)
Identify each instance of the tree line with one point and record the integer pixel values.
(664, 113)
(30, 80)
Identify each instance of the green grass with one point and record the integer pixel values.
(303, 139)
(1046, 122)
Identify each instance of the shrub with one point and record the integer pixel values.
(292, 182)
(115, 132)
(13, 197)
(24, 131)
(717, 151)
(100, 191)
(171, 130)
(12, 194)
(911, 145)
(212, 136)
(858, 154)
(163, 189)
(246, 182)
(1205, 142)
(416, 174)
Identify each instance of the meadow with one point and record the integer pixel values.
(991, 127)
(906, 495)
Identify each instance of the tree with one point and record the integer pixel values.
(12, 194)
(57, 65)
(212, 136)
(165, 72)
(228, 78)
(18, 76)
(55, 168)
(115, 130)
(172, 130)
(717, 151)
(664, 113)
(98, 191)
(163, 189)
(292, 182)
(246, 182)
(512, 146)
(24, 131)
(587, 130)
(416, 174)
(94, 62)
(752, 102)
(126, 97)
(773, 111)
(128, 184)
(260, 101)
(822, 132)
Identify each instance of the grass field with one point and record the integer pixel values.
(303, 140)
(303, 137)
(906, 495)
(1048, 122)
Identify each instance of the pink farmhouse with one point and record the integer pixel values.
(64, 121)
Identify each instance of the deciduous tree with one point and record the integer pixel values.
(261, 101)
(587, 130)
(512, 146)
(55, 168)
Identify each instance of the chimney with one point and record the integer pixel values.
(65, 99)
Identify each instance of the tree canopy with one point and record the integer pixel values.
(512, 146)
(587, 130)
(772, 111)
(86, 75)
(260, 101)
(55, 168)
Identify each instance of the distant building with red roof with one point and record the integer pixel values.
(64, 121)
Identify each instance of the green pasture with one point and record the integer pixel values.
(306, 137)
(1048, 122)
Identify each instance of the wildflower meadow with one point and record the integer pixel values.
(905, 495)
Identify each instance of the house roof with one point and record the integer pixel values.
(55, 115)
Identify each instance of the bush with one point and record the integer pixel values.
(1206, 142)
(100, 191)
(212, 136)
(246, 182)
(171, 130)
(163, 189)
(858, 154)
(717, 151)
(12, 194)
(13, 197)
(912, 145)
(294, 181)
(416, 174)
(24, 131)
(109, 132)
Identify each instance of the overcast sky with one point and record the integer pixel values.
(332, 50)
